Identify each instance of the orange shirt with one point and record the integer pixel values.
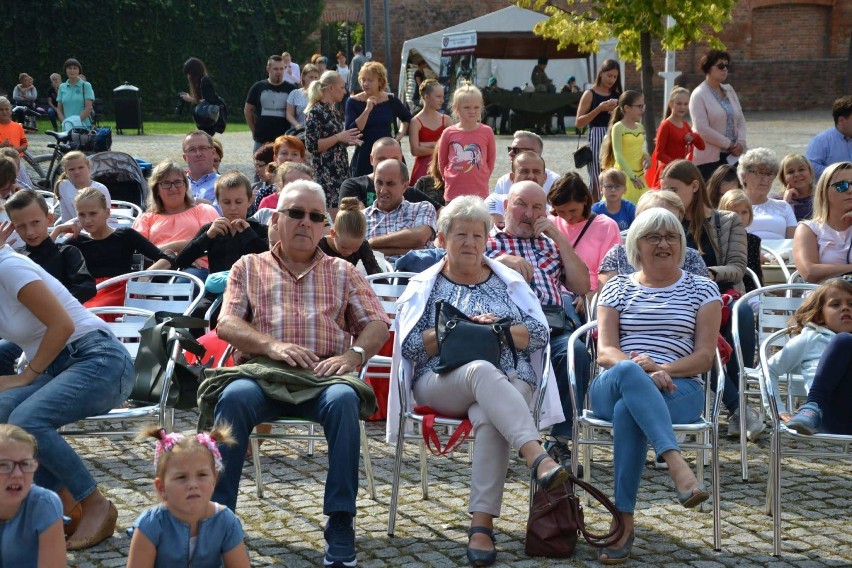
(14, 133)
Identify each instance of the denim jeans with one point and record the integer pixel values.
(625, 395)
(243, 405)
(731, 396)
(9, 354)
(90, 376)
(559, 362)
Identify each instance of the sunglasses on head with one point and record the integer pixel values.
(300, 214)
(841, 186)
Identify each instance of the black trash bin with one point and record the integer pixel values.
(128, 108)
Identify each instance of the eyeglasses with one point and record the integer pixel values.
(655, 239)
(722, 66)
(27, 466)
(513, 150)
(300, 214)
(198, 149)
(841, 186)
(763, 173)
(177, 184)
(612, 187)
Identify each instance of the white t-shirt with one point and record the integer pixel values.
(17, 323)
(833, 245)
(771, 220)
(504, 183)
(67, 192)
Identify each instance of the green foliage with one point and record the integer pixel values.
(587, 23)
(145, 43)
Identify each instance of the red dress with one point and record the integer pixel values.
(671, 146)
(421, 163)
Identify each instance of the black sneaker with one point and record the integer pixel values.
(340, 541)
(561, 454)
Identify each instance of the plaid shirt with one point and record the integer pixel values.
(319, 310)
(407, 216)
(542, 253)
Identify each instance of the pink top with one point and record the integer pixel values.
(161, 229)
(466, 159)
(269, 202)
(602, 235)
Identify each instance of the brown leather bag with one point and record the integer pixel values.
(556, 520)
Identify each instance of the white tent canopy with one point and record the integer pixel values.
(509, 72)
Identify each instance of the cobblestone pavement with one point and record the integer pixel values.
(285, 528)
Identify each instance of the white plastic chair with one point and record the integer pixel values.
(52, 202)
(815, 446)
(701, 436)
(125, 208)
(775, 305)
(796, 278)
(160, 290)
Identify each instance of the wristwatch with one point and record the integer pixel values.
(360, 351)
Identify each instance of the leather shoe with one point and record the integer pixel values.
(107, 529)
(73, 516)
(553, 478)
(478, 557)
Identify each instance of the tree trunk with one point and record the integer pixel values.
(649, 120)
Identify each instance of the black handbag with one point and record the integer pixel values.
(583, 156)
(462, 340)
(557, 320)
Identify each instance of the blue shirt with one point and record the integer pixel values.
(826, 148)
(205, 188)
(74, 97)
(19, 536)
(624, 217)
(217, 534)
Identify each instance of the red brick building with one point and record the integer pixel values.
(786, 54)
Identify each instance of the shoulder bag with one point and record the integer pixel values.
(583, 156)
(462, 340)
(556, 521)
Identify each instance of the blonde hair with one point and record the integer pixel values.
(70, 156)
(820, 211)
(91, 193)
(613, 174)
(187, 444)
(467, 89)
(283, 169)
(308, 68)
(350, 221)
(663, 198)
(734, 198)
(675, 92)
(794, 160)
(317, 88)
(378, 71)
(17, 435)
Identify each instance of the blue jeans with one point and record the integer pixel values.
(243, 405)
(639, 412)
(559, 362)
(90, 376)
(9, 354)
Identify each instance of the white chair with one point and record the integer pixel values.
(775, 305)
(118, 220)
(407, 415)
(815, 446)
(779, 260)
(796, 278)
(701, 436)
(125, 208)
(125, 323)
(159, 290)
(754, 278)
(52, 201)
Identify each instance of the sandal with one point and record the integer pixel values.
(692, 497)
(477, 556)
(618, 555)
(553, 478)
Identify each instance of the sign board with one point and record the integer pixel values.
(458, 43)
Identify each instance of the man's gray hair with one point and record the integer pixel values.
(297, 186)
(465, 208)
(530, 136)
(651, 221)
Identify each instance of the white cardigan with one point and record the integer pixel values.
(412, 304)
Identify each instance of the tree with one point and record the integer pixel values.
(587, 23)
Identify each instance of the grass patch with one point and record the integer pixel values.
(154, 127)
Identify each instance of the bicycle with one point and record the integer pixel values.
(42, 178)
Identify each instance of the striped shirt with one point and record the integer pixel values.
(407, 216)
(659, 322)
(542, 253)
(320, 309)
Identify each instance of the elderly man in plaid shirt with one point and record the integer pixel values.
(300, 310)
(532, 245)
(394, 224)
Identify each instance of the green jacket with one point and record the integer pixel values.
(278, 381)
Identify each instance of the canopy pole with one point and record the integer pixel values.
(670, 74)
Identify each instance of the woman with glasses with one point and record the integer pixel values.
(173, 218)
(774, 219)
(821, 246)
(652, 375)
(717, 115)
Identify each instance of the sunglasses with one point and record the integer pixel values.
(513, 150)
(722, 66)
(300, 214)
(841, 186)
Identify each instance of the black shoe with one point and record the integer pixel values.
(340, 541)
(561, 454)
(478, 557)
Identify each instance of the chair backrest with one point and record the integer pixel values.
(50, 198)
(117, 220)
(389, 286)
(754, 278)
(779, 260)
(160, 290)
(125, 208)
(796, 278)
(124, 322)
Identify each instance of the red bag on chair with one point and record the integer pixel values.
(430, 437)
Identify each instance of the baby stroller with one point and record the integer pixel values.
(121, 174)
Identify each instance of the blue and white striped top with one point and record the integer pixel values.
(659, 322)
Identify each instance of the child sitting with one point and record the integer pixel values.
(75, 177)
(820, 351)
(737, 201)
(614, 185)
(30, 516)
(185, 531)
(347, 240)
(23, 177)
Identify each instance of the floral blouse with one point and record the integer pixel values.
(331, 167)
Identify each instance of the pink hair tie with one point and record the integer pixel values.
(165, 444)
(205, 440)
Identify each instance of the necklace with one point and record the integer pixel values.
(470, 282)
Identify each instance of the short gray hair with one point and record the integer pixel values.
(662, 198)
(297, 186)
(465, 208)
(530, 136)
(650, 221)
(756, 158)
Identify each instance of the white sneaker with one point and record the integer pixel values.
(734, 424)
(754, 425)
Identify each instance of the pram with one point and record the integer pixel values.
(122, 176)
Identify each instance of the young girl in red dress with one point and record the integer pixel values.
(426, 128)
(675, 137)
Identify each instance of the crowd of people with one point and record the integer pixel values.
(666, 236)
